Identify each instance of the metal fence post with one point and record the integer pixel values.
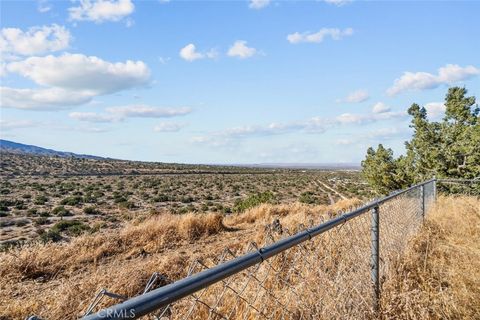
(434, 188)
(375, 258)
(422, 190)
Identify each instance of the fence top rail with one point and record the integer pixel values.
(474, 180)
(163, 296)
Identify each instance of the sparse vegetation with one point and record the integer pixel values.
(115, 199)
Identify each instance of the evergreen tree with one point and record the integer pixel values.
(450, 148)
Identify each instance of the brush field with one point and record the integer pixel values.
(55, 199)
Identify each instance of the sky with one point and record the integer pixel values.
(230, 81)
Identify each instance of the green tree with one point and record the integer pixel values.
(448, 148)
(380, 170)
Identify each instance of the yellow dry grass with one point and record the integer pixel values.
(58, 281)
(439, 275)
(437, 279)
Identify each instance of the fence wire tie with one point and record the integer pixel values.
(259, 251)
(99, 296)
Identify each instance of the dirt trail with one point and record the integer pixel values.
(330, 198)
(333, 190)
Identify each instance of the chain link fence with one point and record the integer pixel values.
(326, 267)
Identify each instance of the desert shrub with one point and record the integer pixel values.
(161, 198)
(6, 224)
(61, 211)
(32, 212)
(70, 227)
(3, 213)
(40, 200)
(20, 205)
(5, 191)
(44, 214)
(9, 244)
(72, 200)
(41, 221)
(308, 198)
(5, 203)
(253, 201)
(22, 222)
(26, 196)
(127, 205)
(91, 210)
(187, 199)
(50, 236)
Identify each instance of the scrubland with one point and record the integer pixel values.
(52, 207)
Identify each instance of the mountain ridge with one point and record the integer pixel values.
(16, 147)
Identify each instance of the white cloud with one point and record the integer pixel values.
(435, 110)
(338, 3)
(349, 118)
(315, 125)
(115, 114)
(317, 37)
(6, 125)
(240, 50)
(144, 111)
(258, 4)
(190, 53)
(101, 10)
(82, 73)
(355, 97)
(448, 74)
(41, 99)
(71, 79)
(93, 117)
(36, 40)
(380, 107)
(168, 127)
(163, 60)
(377, 135)
(43, 6)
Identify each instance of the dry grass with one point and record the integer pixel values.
(151, 236)
(439, 277)
(57, 281)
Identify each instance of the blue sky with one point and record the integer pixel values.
(229, 81)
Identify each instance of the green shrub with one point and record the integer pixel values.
(161, 198)
(308, 198)
(70, 227)
(40, 200)
(32, 212)
(61, 211)
(44, 214)
(127, 205)
(72, 200)
(91, 210)
(253, 201)
(22, 222)
(41, 221)
(50, 236)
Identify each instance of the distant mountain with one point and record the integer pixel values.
(15, 147)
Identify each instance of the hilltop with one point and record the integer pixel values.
(15, 147)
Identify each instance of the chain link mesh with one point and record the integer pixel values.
(327, 277)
